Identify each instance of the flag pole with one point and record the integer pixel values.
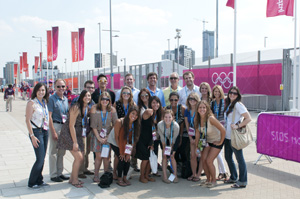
(72, 63)
(234, 47)
(52, 58)
(295, 60)
(78, 65)
(298, 62)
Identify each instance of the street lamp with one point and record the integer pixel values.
(100, 44)
(178, 36)
(124, 59)
(265, 42)
(41, 53)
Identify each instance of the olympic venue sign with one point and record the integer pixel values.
(279, 136)
(251, 79)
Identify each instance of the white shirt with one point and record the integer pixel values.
(184, 93)
(239, 110)
(135, 93)
(39, 113)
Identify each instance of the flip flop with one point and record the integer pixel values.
(190, 178)
(96, 179)
(238, 186)
(196, 179)
(121, 183)
(78, 185)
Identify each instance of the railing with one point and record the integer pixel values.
(255, 102)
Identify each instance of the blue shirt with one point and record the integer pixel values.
(159, 93)
(58, 107)
(187, 114)
(135, 93)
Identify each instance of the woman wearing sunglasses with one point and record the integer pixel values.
(148, 135)
(189, 116)
(143, 100)
(103, 118)
(210, 131)
(125, 102)
(233, 103)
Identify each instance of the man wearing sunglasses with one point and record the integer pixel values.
(174, 80)
(102, 83)
(58, 107)
(190, 87)
(129, 81)
(154, 91)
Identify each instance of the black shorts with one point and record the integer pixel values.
(215, 146)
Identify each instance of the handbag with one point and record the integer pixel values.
(241, 137)
(153, 161)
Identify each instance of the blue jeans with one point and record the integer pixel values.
(229, 150)
(36, 177)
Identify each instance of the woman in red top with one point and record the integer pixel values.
(126, 135)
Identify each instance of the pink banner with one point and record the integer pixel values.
(230, 3)
(25, 65)
(251, 79)
(74, 43)
(15, 70)
(49, 46)
(21, 64)
(81, 32)
(279, 136)
(280, 7)
(117, 82)
(36, 63)
(54, 42)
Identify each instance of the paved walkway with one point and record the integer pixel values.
(280, 179)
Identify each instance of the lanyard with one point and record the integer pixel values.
(100, 91)
(126, 109)
(85, 114)
(171, 132)
(43, 107)
(218, 109)
(104, 119)
(177, 114)
(153, 127)
(192, 118)
(204, 137)
(132, 139)
(225, 114)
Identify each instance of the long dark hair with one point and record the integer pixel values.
(136, 123)
(159, 112)
(227, 100)
(80, 101)
(36, 89)
(140, 102)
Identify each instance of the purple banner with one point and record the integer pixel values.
(117, 81)
(279, 136)
(54, 42)
(251, 79)
(81, 43)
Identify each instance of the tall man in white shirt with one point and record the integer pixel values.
(190, 87)
(129, 81)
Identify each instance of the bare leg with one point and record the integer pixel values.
(213, 153)
(78, 160)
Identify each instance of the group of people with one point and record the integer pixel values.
(185, 123)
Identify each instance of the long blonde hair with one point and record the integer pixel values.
(130, 100)
(104, 94)
(207, 115)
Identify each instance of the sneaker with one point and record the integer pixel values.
(44, 185)
(35, 187)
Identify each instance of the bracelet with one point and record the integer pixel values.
(31, 135)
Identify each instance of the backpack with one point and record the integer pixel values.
(186, 170)
(106, 179)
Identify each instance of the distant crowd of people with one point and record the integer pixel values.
(190, 126)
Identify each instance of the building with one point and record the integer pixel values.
(106, 60)
(208, 45)
(168, 54)
(186, 56)
(37, 76)
(8, 72)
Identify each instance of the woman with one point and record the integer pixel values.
(37, 120)
(73, 131)
(189, 116)
(143, 100)
(150, 119)
(126, 136)
(103, 117)
(233, 104)
(205, 91)
(210, 131)
(125, 102)
(168, 131)
(217, 107)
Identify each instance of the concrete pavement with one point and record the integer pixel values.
(280, 179)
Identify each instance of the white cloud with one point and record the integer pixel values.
(4, 27)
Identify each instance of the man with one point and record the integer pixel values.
(58, 109)
(174, 80)
(9, 95)
(152, 80)
(89, 85)
(189, 78)
(129, 81)
(25, 91)
(102, 83)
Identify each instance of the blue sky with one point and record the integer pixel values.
(144, 25)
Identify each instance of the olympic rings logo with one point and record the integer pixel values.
(223, 78)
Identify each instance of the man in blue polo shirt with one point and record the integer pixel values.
(58, 107)
(152, 80)
(129, 81)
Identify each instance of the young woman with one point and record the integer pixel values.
(210, 131)
(150, 119)
(126, 136)
(217, 107)
(168, 131)
(72, 132)
(103, 117)
(205, 91)
(125, 102)
(189, 116)
(233, 103)
(143, 100)
(37, 121)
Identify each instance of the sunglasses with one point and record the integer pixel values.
(191, 98)
(144, 95)
(102, 81)
(126, 93)
(105, 99)
(173, 100)
(233, 93)
(60, 86)
(173, 78)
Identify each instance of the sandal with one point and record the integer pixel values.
(190, 178)
(238, 186)
(204, 183)
(96, 179)
(211, 184)
(221, 176)
(121, 183)
(165, 180)
(127, 182)
(77, 185)
(196, 179)
(229, 181)
(226, 176)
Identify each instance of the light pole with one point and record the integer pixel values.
(124, 59)
(65, 67)
(100, 44)
(178, 36)
(265, 42)
(111, 50)
(41, 53)
(169, 49)
(217, 28)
